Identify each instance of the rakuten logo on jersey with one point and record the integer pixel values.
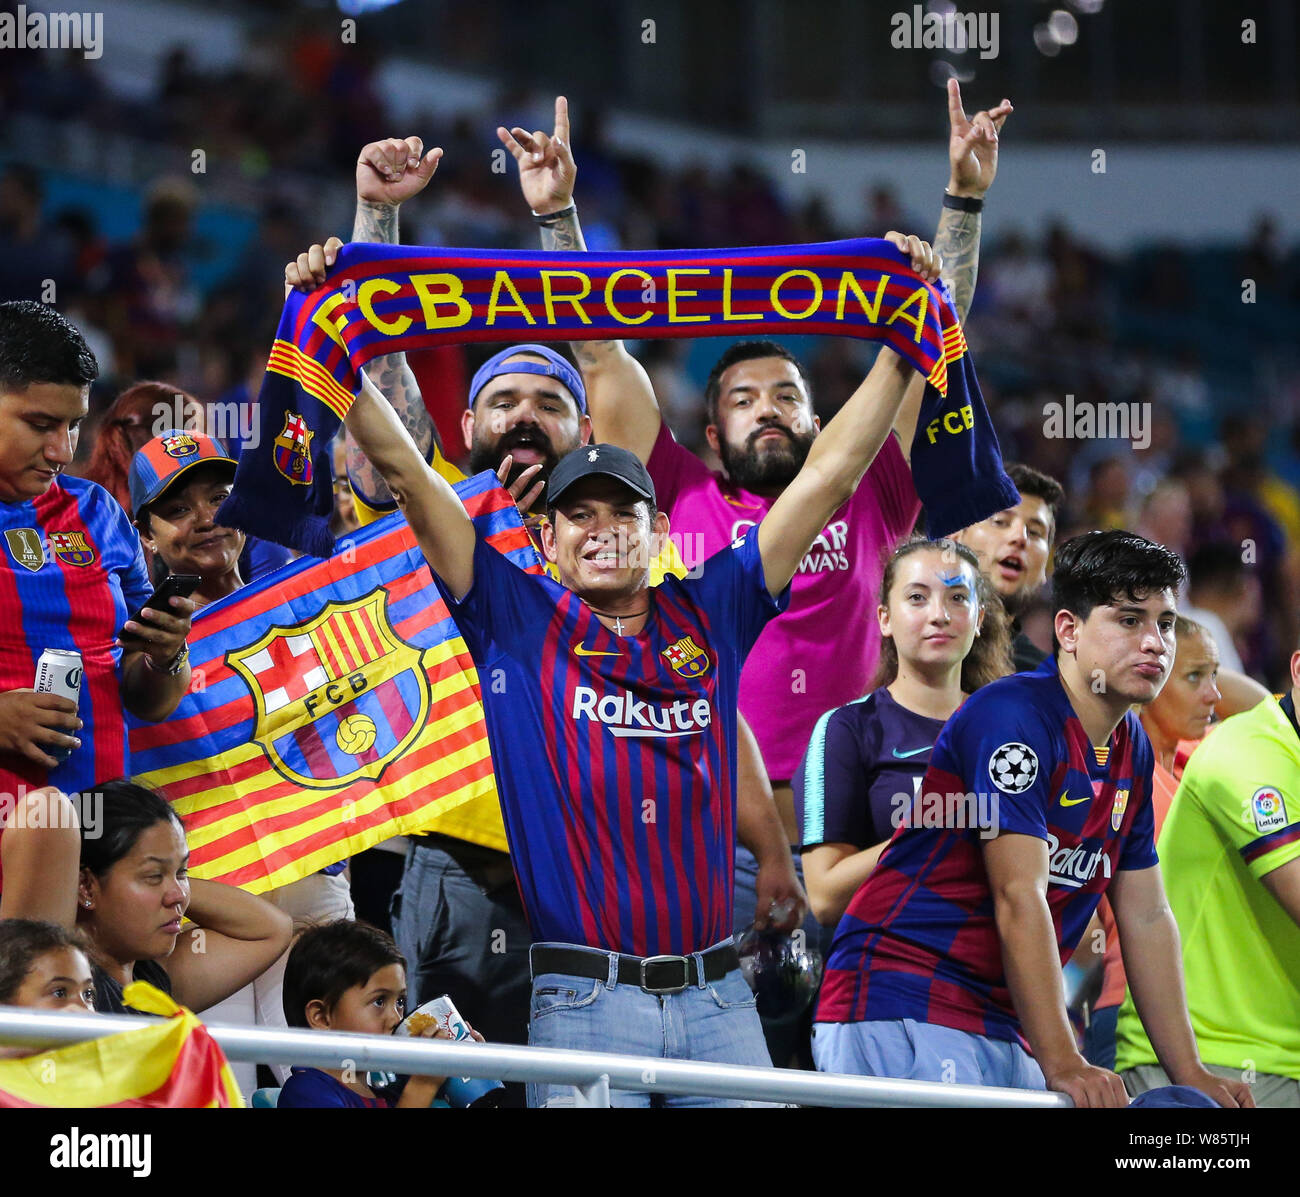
(1074, 867)
(625, 715)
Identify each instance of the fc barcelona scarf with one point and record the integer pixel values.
(391, 298)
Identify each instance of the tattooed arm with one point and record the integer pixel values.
(389, 172)
(620, 397)
(973, 163)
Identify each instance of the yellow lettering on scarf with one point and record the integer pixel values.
(323, 318)
(502, 279)
(551, 298)
(954, 423)
(452, 291)
(674, 294)
(918, 321)
(812, 307)
(612, 282)
(366, 302)
(727, 313)
(870, 308)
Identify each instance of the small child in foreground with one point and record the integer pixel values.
(43, 967)
(348, 976)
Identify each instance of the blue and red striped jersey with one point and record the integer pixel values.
(71, 573)
(919, 938)
(615, 757)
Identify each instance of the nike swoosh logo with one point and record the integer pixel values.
(1072, 801)
(591, 652)
(913, 752)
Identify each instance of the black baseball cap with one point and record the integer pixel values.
(607, 460)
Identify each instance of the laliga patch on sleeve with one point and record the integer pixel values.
(1013, 767)
(1268, 809)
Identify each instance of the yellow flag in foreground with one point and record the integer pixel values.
(173, 1063)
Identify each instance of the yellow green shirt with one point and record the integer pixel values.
(1235, 818)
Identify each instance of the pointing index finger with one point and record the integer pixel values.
(561, 118)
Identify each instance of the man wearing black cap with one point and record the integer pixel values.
(457, 916)
(613, 726)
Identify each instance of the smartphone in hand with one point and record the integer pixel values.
(179, 585)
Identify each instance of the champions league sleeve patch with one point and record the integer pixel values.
(1013, 767)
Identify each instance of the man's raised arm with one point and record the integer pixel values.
(441, 526)
(621, 401)
(842, 453)
(972, 167)
(388, 173)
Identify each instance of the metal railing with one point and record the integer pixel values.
(593, 1074)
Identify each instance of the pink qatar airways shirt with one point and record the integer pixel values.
(823, 651)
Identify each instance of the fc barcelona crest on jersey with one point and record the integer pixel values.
(181, 445)
(25, 547)
(686, 657)
(292, 450)
(1117, 811)
(71, 548)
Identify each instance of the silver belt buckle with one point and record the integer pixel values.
(684, 961)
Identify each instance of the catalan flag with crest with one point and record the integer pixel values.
(333, 705)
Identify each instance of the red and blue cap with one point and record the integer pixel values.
(165, 458)
(555, 366)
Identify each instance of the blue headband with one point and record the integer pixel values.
(556, 367)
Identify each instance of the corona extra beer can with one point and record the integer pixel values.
(59, 672)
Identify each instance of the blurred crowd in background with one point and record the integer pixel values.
(181, 281)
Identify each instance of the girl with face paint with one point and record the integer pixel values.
(944, 634)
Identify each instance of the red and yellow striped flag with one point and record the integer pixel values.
(173, 1064)
(334, 704)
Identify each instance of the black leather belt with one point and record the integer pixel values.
(654, 974)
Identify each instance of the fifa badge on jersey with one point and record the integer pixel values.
(1117, 811)
(1268, 809)
(71, 548)
(292, 450)
(25, 547)
(180, 445)
(686, 657)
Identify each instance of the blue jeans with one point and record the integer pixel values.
(923, 1051)
(717, 1022)
(1099, 1038)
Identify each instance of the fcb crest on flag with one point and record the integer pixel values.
(71, 548)
(1117, 811)
(292, 450)
(686, 657)
(339, 698)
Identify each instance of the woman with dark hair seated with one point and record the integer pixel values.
(134, 891)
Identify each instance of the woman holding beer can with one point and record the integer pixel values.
(70, 572)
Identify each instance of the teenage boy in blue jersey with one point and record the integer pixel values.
(947, 964)
(613, 722)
